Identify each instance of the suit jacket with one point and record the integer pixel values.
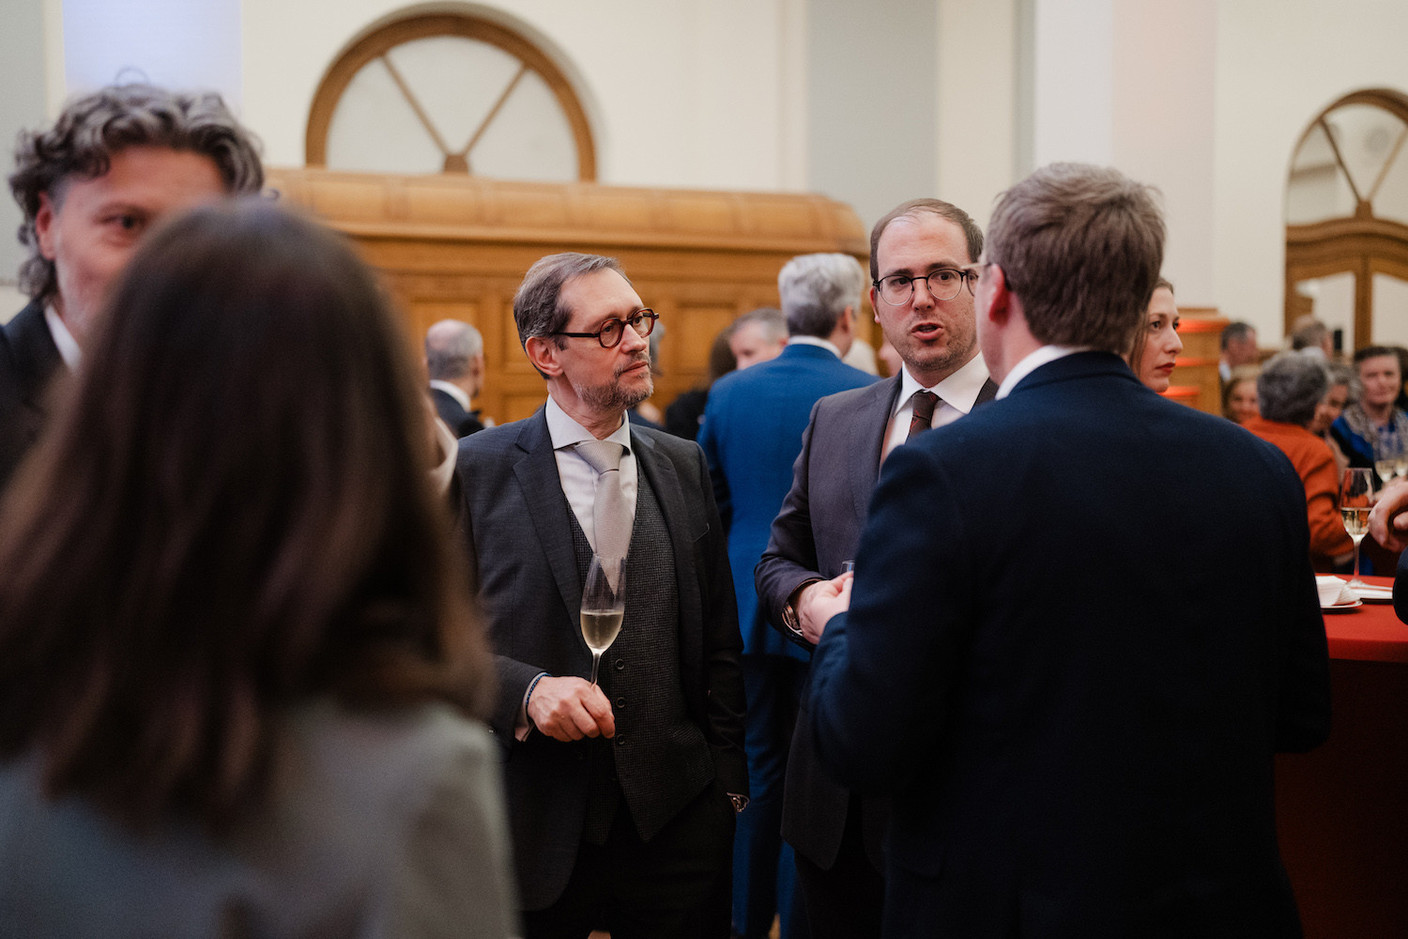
(28, 362)
(462, 423)
(751, 435)
(516, 526)
(817, 530)
(377, 825)
(1083, 621)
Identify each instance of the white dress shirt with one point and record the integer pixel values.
(957, 395)
(576, 474)
(1034, 361)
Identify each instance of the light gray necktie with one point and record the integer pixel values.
(610, 517)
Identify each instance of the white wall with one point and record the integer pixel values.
(687, 93)
(1278, 64)
(1131, 85)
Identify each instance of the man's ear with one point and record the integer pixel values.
(43, 226)
(874, 307)
(999, 305)
(542, 352)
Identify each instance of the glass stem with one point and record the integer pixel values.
(596, 656)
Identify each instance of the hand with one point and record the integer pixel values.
(821, 600)
(570, 708)
(1388, 520)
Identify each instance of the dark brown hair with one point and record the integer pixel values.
(231, 513)
(1135, 358)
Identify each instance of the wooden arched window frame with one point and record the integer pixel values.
(375, 45)
(1362, 243)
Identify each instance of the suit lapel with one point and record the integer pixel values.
(35, 357)
(986, 393)
(865, 440)
(536, 472)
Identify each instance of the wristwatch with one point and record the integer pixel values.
(789, 611)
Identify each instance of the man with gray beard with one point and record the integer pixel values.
(622, 792)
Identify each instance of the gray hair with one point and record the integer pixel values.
(1081, 246)
(1309, 336)
(537, 307)
(1290, 386)
(769, 319)
(451, 346)
(1342, 374)
(816, 288)
(96, 126)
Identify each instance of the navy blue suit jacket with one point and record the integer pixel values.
(751, 435)
(1083, 621)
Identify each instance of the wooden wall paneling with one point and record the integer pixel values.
(459, 246)
(1195, 380)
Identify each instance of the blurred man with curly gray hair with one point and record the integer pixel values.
(114, 163)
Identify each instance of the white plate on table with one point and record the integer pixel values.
(1341, 607)
(1371, 593)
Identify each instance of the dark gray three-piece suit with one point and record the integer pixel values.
(673, 675)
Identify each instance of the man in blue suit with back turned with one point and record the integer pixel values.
(751, 435)
(1083, 620)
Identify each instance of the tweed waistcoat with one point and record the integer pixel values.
(659, 759)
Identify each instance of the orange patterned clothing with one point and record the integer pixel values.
(1315, 465)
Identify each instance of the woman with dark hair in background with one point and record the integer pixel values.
(1157, 345)
(236, 648)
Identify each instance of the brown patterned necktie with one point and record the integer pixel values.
(609, 515)
(924, 404)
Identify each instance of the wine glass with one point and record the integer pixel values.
(603, 605)
(1388, 455)
(1356, 492)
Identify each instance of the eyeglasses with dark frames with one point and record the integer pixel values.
(611, 331)
(944, 283)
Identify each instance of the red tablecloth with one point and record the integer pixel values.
(1341, 810)
(1370, 633)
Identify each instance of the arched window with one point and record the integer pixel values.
(1347, 219)
(452, 93)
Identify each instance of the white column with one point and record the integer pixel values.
(1131, 85)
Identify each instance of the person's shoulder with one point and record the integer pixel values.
(861, 394)
(660, 439)
(401, 743)
(497, 438)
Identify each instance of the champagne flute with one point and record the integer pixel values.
(1388, 454)
(603, 605)
(1356, 492)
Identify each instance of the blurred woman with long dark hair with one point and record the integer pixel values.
(237, 660)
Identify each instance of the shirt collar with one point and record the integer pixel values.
(68, 346)
(454, 391)
(1034, 361)
(566, 432)
(814, 341)
(960, 389)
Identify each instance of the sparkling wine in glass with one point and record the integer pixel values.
(603, 605)
(1388, 454)
(1356, 491)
